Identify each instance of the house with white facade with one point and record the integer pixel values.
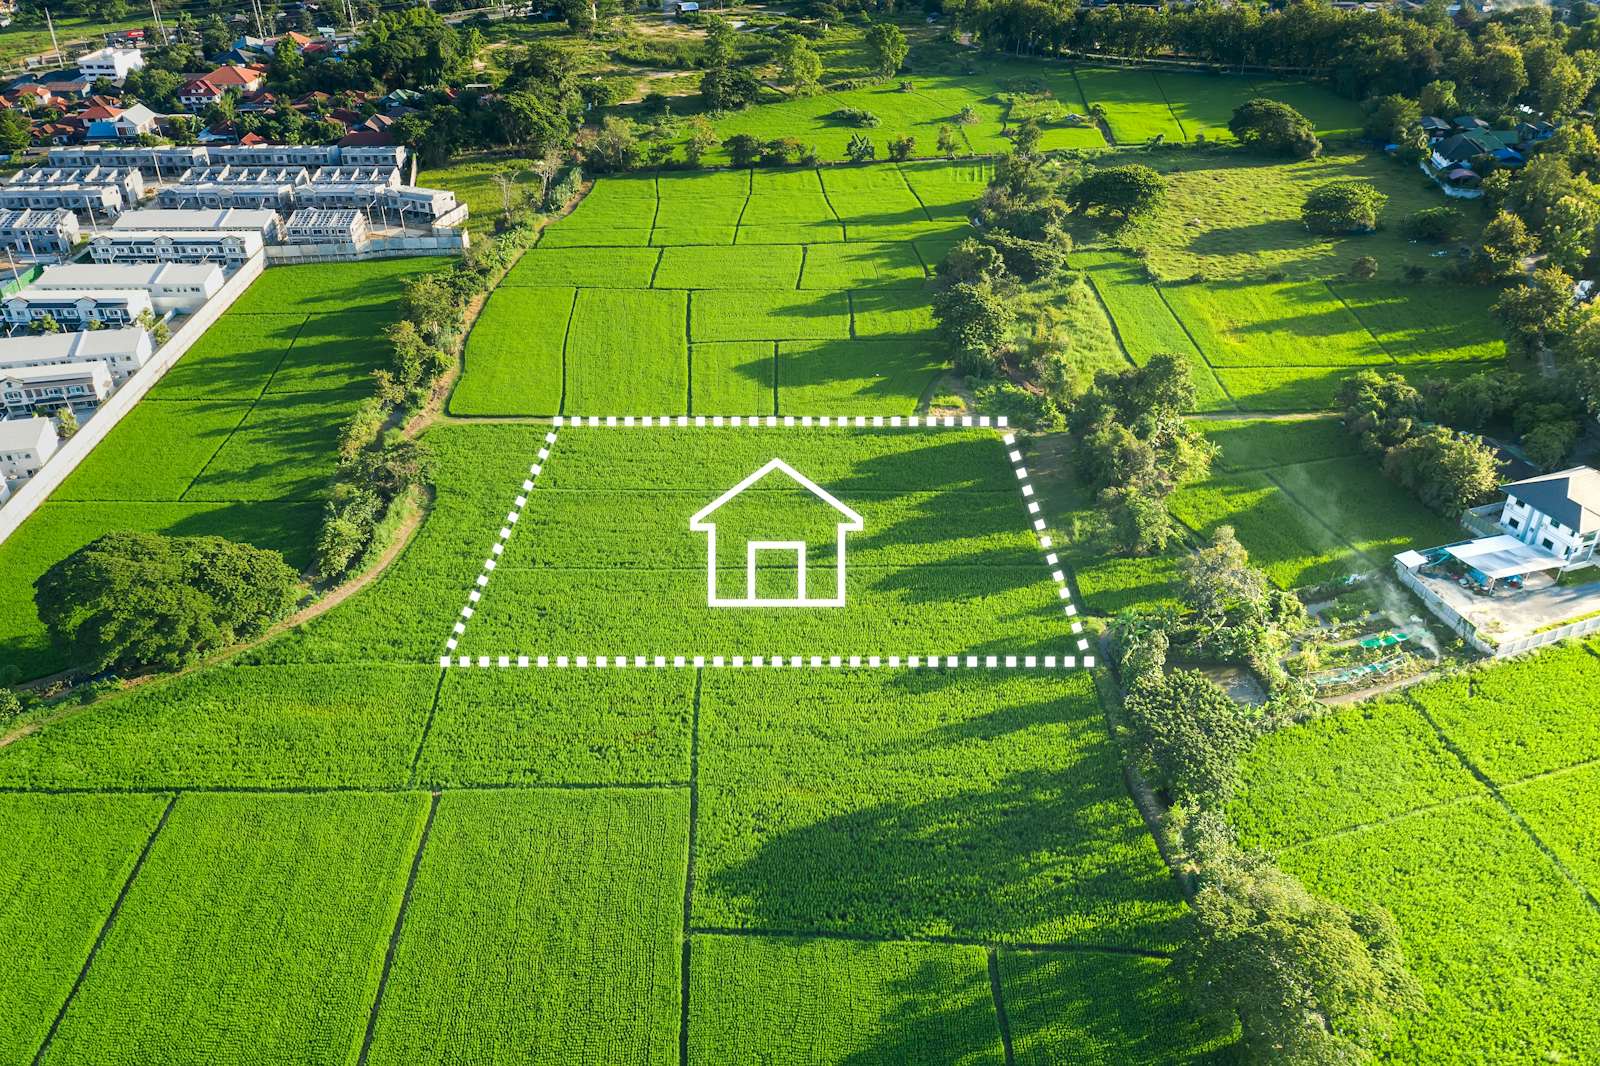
(95, 201)
(113, 63)
(1559, 513)
(26, 444)
(229, 248)
(123, 351)
(77, 308)
(263, 222)
(180, 287)
(235, 186)
(311, 225)
(419, 206)
(43, 389)
(372, 155)
(42, 232)
(274, 155)
(128, 181)
(162, 161)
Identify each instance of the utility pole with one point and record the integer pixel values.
(160, 27)
(54, 46)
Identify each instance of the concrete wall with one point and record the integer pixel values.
(1469, 632)
(447, 243)
(26, 499)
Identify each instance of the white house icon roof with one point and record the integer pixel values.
(851, 520)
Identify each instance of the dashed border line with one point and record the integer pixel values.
(913, 662)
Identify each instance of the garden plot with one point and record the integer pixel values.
(604, 562)
(255, 932)
(543, 926)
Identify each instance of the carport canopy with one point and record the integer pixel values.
(1503, 556)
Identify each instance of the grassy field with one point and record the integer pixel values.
(1465, 806)
(237, 440)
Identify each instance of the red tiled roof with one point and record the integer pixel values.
(365, 138)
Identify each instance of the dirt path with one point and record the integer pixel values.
(1259, 416)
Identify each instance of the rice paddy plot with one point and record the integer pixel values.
(334, 351)
(769, 315)
(543, 927)
(238, 727)
(514, 362)
(233, 360)
(284, 448)
(1298, 388)
(156, 452)
(1282, 537)
(1203, 103)
(795, 1002)
(891, 312)
(617, 268)
(788, 207)
(700, 208)
(223, 953)
(968, 805)
(1145, 324)
(626, 353)
(733, 378)
(1353, 496)
(1109, 1010)
(859, 264)
(850, 377)
(1496, 935)
(65, 860)
(1427, 323)
(1273, 324)
(1255, 444)
(60, 527)
(1559, 808)
(1136, 110)
(948, 190)
(322, 288)
(1357, 766)
(741, 267)
(617, 211)
(527, 727)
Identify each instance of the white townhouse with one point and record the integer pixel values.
(165, 161)
(273, 155)
(123, 350)
(265, 223)
(270, 188)
(419, 206)
(113, 63)
(25, 445)
(33, 233)
(27, 389)
(76, 308)
(155, 246)
(96, 201)
(181, 287)
(1558, 512)
(128, 181)
(371, 155)
(311, 225)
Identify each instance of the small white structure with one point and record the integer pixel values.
(76, 308)
(312, 225)
(153, 246)
(25, 445)
(1559, 513)
(389, 177)
(30, 388)
(845, 521)
(113, 63)
(123, 351)
(264, 222)
(419, 206)
(40, 232)
(181, 287)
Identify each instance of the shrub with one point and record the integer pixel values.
(901, 148)
(1128, 191)
(743, 149)
(1433, 224)
(1191, 733)
(1343, 207)
(1022, 407)
(1030, 260)
(856, 116)
(1364, 268)
(1446, 470)
(1274, 127)
(782, 150)
(1549, 443)
(860, 149)
(975, 322)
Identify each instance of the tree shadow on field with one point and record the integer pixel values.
(1021, 859)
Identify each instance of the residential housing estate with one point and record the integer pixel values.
(123, 351)
(155, 246)
(42, 389)
(77, 308)
(181, 287)
(25, 445)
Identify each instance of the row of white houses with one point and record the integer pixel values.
(170, 160)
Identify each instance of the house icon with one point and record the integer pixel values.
(753, 527)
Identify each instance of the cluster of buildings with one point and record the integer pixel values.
(1461, 149)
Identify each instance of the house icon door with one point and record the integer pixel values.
(756, 550)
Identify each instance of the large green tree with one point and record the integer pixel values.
(131, 601)
(888, 48)
(1274, 127)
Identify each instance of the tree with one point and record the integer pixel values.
(860, 148)
(131, 600)
(1388, 117)
(1433, 225)
(1506, 243)
(1311, 982)
(721, 42)
(1549, 443)
(800, 65)
(1028, 136)
(1500, 74)
(48, 324)
(1274, 127)
(729, 89)
(975, 323)
(743, 149)
(1438, 98)
(1127, 191)
(1569, 232)
(10, 706)
(1218, 578)
(1343, 207)
(949, 141)
(970, 262)
(702, 138)
(902, 147)
(1447, 471)
(15, 131)
(616, 147)
(66, 422)
(1192, 734)
(887, 47)
(158, 329)
(1364, 268)
(1381, 410)
(287, 67)
(1137, 521)
(1564, 89)
(1537, 309)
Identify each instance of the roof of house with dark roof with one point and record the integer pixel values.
(1571, 497)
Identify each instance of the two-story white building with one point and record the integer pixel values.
(128, 181)
(49, 388)
(26, 444)
(123, 351)
(180, 287)
(1558, 512)
(36, 233)
(77, 308)
(312, 225)
(113, 63)
(154, 246)
(261, 221)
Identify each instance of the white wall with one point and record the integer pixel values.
(25, 500)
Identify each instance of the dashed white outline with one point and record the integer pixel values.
(853, 662)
